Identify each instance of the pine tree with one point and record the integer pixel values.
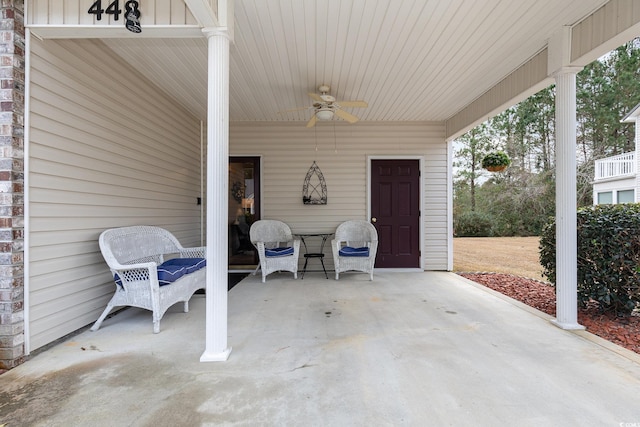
(473, 146)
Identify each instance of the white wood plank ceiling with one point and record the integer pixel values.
(411, 60)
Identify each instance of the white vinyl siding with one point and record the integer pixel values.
(107, 149)
(289, 149)
(608, 191)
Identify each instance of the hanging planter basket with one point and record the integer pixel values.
(496, 161)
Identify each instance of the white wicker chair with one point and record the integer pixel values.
(353, 235)
(267, 236)
(133, 254)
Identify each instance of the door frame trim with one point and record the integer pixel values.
(420, 159)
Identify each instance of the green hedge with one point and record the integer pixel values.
(472, 224)
(608, 256)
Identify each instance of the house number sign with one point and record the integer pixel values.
(131, 13)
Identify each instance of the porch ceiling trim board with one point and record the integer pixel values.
(112, 32)
(203, 11)
(214, 13)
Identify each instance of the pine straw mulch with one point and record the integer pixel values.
(623, 331)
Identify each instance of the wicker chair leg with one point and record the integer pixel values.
(103, 316)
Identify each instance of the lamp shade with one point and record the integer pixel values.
(324, 114)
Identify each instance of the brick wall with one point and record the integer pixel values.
(12, 81)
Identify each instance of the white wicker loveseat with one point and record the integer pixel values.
(354, 247)
(151, 270)
(277, 249)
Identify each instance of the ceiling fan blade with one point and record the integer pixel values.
(312, 121)
(360, 104)
(346, 116)
(316, 97)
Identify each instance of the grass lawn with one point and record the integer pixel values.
(512, 255)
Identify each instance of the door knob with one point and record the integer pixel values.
(374, 219)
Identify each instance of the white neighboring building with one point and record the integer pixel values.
(616, 178)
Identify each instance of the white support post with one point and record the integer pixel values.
(637, 159)
(217, 199)
(566, 205)
(449, 205)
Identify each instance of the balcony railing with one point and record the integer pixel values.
(615, 166)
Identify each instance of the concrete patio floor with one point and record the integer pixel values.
(417, 349)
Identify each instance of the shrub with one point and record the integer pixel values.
(548, 250)
(608, 256)
(472, 224)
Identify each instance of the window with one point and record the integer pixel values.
(626, 196)
(605, 198)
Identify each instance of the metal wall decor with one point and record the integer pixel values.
(314, 189)
(132, 15)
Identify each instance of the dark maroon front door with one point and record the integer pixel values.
(395, 212)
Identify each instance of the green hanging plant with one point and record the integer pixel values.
(496, 161)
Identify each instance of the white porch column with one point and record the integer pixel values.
(637, 159)
(217, 195)
(566, 205)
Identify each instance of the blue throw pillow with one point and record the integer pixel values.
(349, 251)
(275, 252)
(169, 274)
(190, 264)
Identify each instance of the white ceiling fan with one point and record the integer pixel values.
(325, 107)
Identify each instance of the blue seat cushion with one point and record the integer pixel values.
(275, 252)
(349, 251)
(170, 273)
(173, 269)
(190, 264)
(166, 274)
(118, 280)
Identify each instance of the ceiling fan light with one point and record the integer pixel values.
(324, 114)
